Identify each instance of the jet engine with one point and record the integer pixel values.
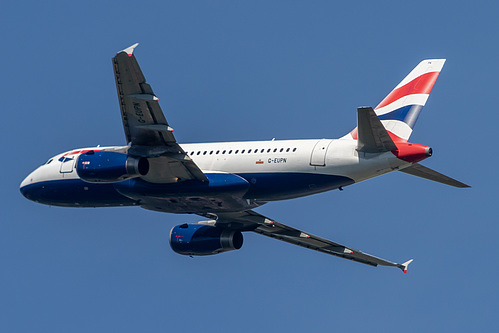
(108, 166)
(201, 240)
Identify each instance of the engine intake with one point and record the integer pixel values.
(108, 167)
(202, 240)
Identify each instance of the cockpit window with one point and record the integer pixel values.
(49, 161)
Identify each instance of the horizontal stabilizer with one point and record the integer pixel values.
(371, 134)
(421, 171)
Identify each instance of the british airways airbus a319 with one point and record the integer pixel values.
(225, 181)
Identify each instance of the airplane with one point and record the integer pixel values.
(225, 181)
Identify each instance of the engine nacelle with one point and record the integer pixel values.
(108, 166)
(202, 240)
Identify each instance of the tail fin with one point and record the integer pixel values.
(399, 110)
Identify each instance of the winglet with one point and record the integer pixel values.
(129, 50)
(405, 264)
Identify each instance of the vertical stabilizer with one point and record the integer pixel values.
(400, 110)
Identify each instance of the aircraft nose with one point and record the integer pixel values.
(28, 186)
(26, 181)
(24, 191)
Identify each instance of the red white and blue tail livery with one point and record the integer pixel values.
(225, 181)
(400, 110)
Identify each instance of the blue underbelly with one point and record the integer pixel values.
(75, 193)
(281, 186)
(222, 192)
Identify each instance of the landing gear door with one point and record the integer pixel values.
(67, 163)
(318, 157)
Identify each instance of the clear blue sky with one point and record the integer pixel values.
(255, 70)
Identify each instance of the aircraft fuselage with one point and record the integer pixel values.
(242, 175)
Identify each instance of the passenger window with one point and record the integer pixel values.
(261, 151)
(198, 153)
(204, 152)
(237, 151)
(218, 151)
(224, 152)
(249, 151)
(287, 150)
(268, 150)
(230, 151)
(294, 149)
(211, 152)
(242, 151)
(281, 150)
(275, 149)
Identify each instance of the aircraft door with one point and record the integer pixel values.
(67, 164)
(318, 157)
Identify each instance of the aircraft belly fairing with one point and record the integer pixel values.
(221, 192)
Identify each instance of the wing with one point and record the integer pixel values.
(252, 221)
(146, 129)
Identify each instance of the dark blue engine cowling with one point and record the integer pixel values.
(202, 240)
(108, 166)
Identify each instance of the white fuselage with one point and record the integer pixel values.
(325, 156)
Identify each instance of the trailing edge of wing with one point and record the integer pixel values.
(372, 135)
(252, 221)
(419, 170)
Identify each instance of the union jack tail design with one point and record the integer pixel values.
(399, 110)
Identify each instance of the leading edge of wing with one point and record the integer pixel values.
(251, 220)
